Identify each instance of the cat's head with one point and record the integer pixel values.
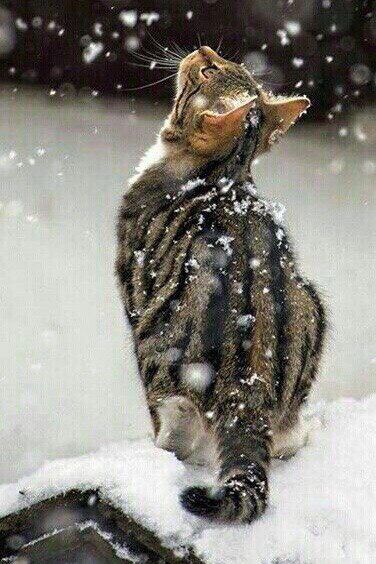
(213, 98)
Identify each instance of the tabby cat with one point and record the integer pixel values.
(227, 334)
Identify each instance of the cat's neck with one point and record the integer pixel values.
(166, 163)
(174, 163)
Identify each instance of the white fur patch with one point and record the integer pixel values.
(152, 156)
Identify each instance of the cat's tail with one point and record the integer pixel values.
(242, 492)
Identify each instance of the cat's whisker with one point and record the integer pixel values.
(151, 66)
(162, 57)
(183, 53)
(232, 57)
(165, 59)
(165, 50)
(156, 60)
(219, 44)
(150, 84)
(154, 56)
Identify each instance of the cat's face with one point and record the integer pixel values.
(213, 97)
(206, 81)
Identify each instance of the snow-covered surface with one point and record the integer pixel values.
(68, 377)
(322, 507)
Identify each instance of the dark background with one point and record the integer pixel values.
(324, 48)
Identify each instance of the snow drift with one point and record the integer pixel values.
(322, 506)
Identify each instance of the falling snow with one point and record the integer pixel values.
(92, 51)
(149, 18)
(197, 376)
(128, 18)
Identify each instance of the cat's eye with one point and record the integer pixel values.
(207, 72)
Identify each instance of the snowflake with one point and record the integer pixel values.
(297, 62)
(149, 17)
(140, 257)
(128, 17)
(192, 184)
(245, 321)
(197, 375)
(225, 241)
(92, 51)
(241, 207)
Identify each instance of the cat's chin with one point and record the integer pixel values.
(224, 105)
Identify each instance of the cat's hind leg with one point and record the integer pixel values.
(287, 442)
(182, 431)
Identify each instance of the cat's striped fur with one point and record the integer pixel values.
(209, 283)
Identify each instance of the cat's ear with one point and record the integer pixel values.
(228, 123)
(217, 130)
(280, 114)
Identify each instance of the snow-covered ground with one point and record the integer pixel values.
(322, 506)
(68, 377)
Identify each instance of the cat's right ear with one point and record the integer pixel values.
(280, 114)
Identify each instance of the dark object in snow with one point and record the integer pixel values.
(81, 527)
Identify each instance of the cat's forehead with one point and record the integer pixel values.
(227, 77)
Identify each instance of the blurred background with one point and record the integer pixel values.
(78, 109)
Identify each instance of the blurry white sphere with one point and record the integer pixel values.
(197, 375)
(132, 43)
(7, 32)
(360, 74)
(256, 62)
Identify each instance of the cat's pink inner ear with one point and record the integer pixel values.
(227, 123)
(285, 111)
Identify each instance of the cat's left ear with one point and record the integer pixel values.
(280, 114)
(218, 130)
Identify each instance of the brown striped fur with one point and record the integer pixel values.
(228, 335)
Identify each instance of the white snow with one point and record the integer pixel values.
(225, 241)
(245, 321)
(297, 62)
(293, 27)
(21, 24)
(132, 43)
(128, 17)
(68, 374)
(92, 51)
(282, 34)
(197, 375)
(322, 505)
(149, 17)
(192, 184)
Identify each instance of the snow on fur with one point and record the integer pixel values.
(322, 507)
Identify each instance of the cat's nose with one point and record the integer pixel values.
(207, 52)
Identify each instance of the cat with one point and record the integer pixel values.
(228, 335)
